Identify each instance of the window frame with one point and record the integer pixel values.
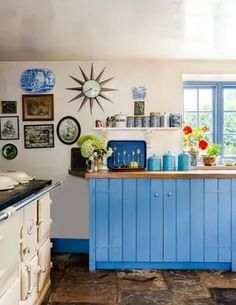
(218, 106)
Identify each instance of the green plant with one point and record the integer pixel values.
(213, 149)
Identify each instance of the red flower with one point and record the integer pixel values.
(203, 144)
(187, 130)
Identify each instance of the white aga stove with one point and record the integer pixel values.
(25, 249)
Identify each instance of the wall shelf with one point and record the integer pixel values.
(147, 130)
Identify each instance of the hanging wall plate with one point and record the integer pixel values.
(68, 130)
(9, 151)
(37, 80)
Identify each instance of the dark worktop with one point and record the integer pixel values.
(20, 192)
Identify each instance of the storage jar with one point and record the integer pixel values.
(168, 162)
(154, 163)
(183, 161)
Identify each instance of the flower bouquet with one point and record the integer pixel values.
(193, 140)
(94, 149)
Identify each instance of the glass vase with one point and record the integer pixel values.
(89, 165)
(100, 163)
(193, 157)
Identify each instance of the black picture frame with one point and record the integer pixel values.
(8, 107)
(9, 128)
(9, 151)
(39, 136)
(139, 107)
(68, 130)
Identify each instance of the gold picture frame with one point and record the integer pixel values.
(37, 107)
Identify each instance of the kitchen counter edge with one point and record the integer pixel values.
(193, 174)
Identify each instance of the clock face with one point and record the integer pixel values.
(91, 88)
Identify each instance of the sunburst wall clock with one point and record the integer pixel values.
(91, 89)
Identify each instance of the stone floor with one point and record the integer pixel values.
(73, 284)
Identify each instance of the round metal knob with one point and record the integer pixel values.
(169, 194)
(156, 194)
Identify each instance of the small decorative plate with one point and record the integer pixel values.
(37, 80)
(9, 151)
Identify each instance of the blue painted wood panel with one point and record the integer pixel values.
(197, 220)
(211, 220)
(233, 219)
(156, 220)
(115, 219)
(92, 222)
(129, 219)
(224, 219)
(143, 220)
(183, 220)
(102, 219)
(169, 195)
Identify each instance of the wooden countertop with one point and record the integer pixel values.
(193, 174)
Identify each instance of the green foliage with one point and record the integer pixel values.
(213, 149)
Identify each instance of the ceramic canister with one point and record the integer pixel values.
(168, 162)
(154, 163)
(120, 120)
(183, 161)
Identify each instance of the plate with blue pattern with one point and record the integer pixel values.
(37, 80)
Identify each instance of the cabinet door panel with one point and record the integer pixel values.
(211, 220)
(156, 218)
(102, 219)
(143, 220)
(169, 195)
(224, 220)
(115, 216)
(129, 219)
(183, 220)
(197, 220)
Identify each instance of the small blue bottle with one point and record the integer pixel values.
(168, 162)
(183, 161)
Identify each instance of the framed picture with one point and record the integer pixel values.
(139, 107)
(9, 151)
(39, 136)
(68, 130)
(37, 107)
(8, 107)
(9, 128)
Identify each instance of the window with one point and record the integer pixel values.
(213, 104)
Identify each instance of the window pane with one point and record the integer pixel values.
(190, 99)
(229, 145)
(208, 137)
(205, 99)
(190, 118)
(205, 119)
(229, 99)
(229, 122)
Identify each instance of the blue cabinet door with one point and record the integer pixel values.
(142, 222)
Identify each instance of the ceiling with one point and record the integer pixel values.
(62, 30)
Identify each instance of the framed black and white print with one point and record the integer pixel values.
(8, 107)
(68, 130)
(9, 128)
(139, 107)
(39, 136)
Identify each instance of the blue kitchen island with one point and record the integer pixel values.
(162, 220)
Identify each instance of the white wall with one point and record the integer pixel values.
(164, 93)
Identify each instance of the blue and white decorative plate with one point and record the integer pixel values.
(37, 80)
(139, 92)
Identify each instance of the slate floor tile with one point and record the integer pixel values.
(148, 298)
(224, 296)
(214, 279)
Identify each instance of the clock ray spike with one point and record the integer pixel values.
(77, 80)
(75, 88)
(84, 75)
(83, 103)
(108, 89)
(91, 102)
(92, 74)
(106, 81)
(106, 98)
(100, 75)
(75, 98)
(99, 104)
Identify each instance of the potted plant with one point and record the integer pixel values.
(213, 150)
